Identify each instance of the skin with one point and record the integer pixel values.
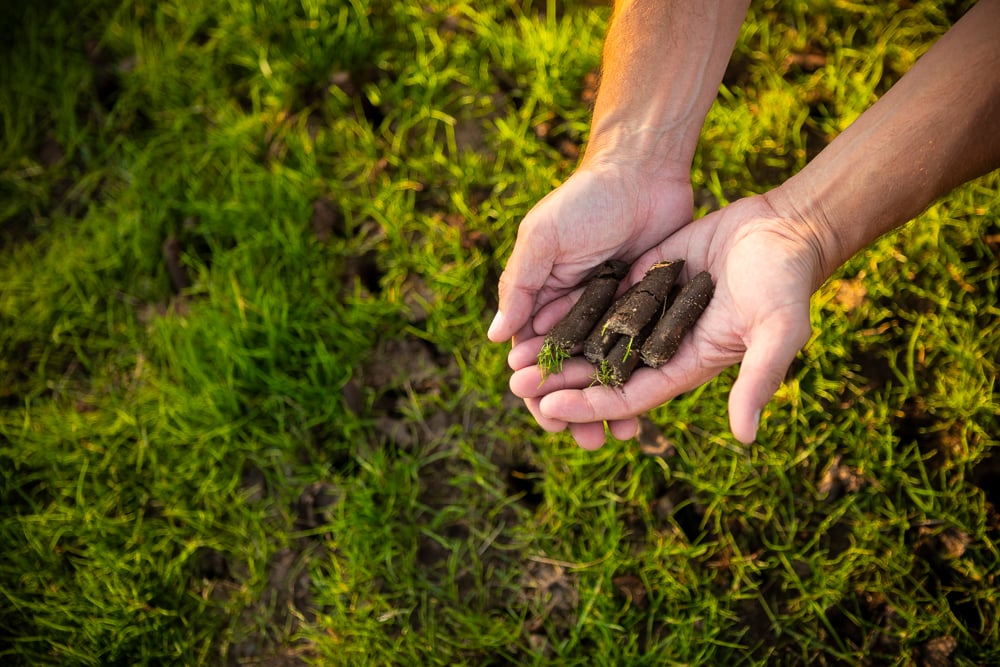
(937, 128)
(632, 189)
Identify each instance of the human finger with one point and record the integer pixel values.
(528, 382)
(524, 353)
(624, 429)
(527, 269)
(588, 436)
(647, 389)
(770, 351)
(546, 423)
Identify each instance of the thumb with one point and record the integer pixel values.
(525, 273)
(772, 348)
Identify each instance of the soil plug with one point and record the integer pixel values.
(616, 368)
(662, 344)
(630, 315)
(580, 320)
(600, 341)
(619, 363)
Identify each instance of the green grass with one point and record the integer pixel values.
(305, 450)
(603, 373)
(551, 358)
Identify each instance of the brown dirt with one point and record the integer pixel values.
(633, 312)
(682, 314)
(597, 296)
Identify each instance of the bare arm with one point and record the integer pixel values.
(937, 128)
(663, 62)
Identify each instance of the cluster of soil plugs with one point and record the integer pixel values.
(644, 325)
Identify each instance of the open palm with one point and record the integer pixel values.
(765, 265)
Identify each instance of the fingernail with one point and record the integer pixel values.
(495, 325)
(756, 423)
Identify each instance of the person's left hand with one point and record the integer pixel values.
(765, 264)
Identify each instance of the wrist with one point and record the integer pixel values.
(651, 151)
(811, 224)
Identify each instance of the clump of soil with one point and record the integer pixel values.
(644, 325)
(597, 296)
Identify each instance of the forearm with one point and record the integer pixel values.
(937, 128)
(663, 62)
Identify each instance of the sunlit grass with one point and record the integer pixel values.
(306, 451)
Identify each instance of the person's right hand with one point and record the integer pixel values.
(605, 210)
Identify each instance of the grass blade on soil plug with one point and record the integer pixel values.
(662, 344)
(551, 358)
(571, 330)
(642, 305)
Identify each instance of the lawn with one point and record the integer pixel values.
(249, 416)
